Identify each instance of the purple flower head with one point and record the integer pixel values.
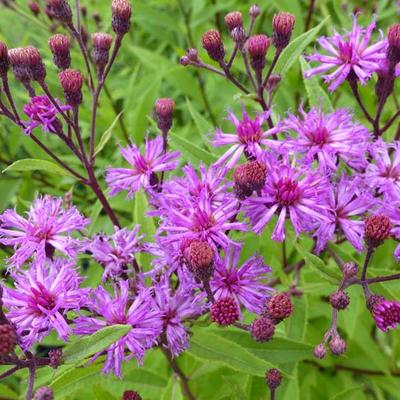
(384, 174)
(144, 167)
(116, 252)
(248, 138)
(386, 314)
(122, 309)
(46, 228)
(42, 112)
(350, 55)
(289, 191)
(328, 138)
(347, 200)
(41, 299)
(177, 306)
(246, 284)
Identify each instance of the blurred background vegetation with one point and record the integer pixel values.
(148, 68)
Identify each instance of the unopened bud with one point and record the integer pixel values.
(320, 351)
(279, 306)
(377, 229)
(96, 18)
(225, 311)
(233, 20)
(249, 177)
(350, 270)
(393, 51)
(257, 47)
(55, 356)
(101, 50)
(60, 47)
(83, 10)
(262, 329)
(71, 82)
(273, 378)
(339, 300)
(212, 43)
(131, 395)
(44, 393)
(184, 60)
(60, 10)
(273, 82)
(254, 11)
(34, 7)
(4, 61)
(27, 64)
(8, 339)
(238, 35)
(337, 345)
(164, 110)
(283, 25)
(121, 16)
(201, 260)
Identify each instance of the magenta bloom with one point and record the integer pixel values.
(41, 299)
(384, 174)
(328, 138)
(42, 112)
(246, 284)
(138, 312)
(177, 306)
(347, 200)
(386, 314)
(349, 55)
(117, 252)
(247, 139)
(46, 228)
(291, 192)
(144, 167)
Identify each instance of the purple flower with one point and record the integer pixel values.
(42, 297)
(347, 200)
(144, 167)
(386, 314)
(247, 139)
(138, 312)
(328, 138)
(46, 228)
(349, 56)
(384, 174)
(116, 252)
(246, 284)
(42, 112)
(177, 306)
(289, 191)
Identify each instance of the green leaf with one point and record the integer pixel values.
(346, 394)
(316, 95)
(185, 146)
(90, 345)
(102, 394)
(202, 124)
(32, 164)
(295, 49)
(107, 135)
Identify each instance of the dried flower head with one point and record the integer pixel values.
(212, 43)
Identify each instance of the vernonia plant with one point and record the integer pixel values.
(152, 252)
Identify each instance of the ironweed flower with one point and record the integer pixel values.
(386, 314)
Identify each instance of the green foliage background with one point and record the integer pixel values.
(221, 363)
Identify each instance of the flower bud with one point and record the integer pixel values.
(71, 82)
(273, 82)
(121, 16)
(83, 10)
(225, 311)
(238, 35)
(273, 378)
(35, 63)
(233, 20)
(8, 339)
(350, 270)
(4, 61)
(212, 43)
(283, 25)
(377, 229)
(201, 260)
(337, 345)
(184, 60)
(192, 55)
(249, 177)
(60, 10)
(101, 50)
(34, 7)
(164, 110)
(27, 64)
(44, 393)
(254, 11)
(131, 395)
(339, 300)
(320, 351)
(262, 329)
(60, 45)
(279, 306)
(55, 356)
(393, 51)
(96, 18)
(373, 300)
(257, 47)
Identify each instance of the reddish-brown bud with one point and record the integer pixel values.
(273, 378)
(257, 47)
(60, 47)
(283, 25)
(131, 395)
(377, 228)
(337, 345)
(4, 61)
(121, 16)
(393, 52)
(279, 306)
(27, 64)
(233, 20)
(8, 339)
(225, 311)
(212, 43)
(60, 10)
(262, 329)
(339, 300)
(164, 110)
(71, 82)
(201, 260)
(101, 49)
(249, 177)
(34, 7)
